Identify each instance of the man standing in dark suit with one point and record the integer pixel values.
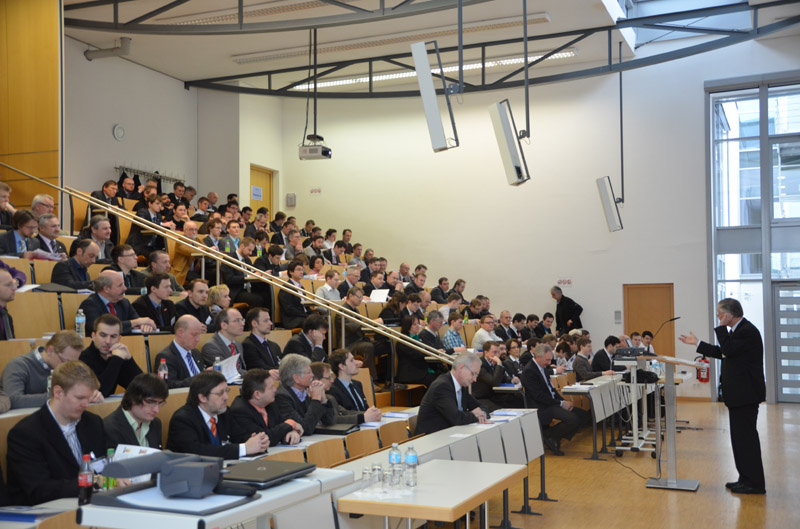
(156, 304)
(19, 241)
(254, 410)
(258, 350)
(349, 393)
(182, 358)
(541, 394)
(568, 313)
(448, 401)
(176, 197)
(134, 422)
(300, 398)
(309, 342)
(109, 298)
(202, 427)
(74, 271)
(45, 449)
(743, 389)
(49, 230)
(110, 359)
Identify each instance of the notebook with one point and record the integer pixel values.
(263, 474)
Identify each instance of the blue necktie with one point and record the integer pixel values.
(190, 361)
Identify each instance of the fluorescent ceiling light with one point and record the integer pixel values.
(425, 34)
(491, 63)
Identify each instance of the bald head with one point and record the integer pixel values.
(190, 229)
(188, 331)
(110, 285)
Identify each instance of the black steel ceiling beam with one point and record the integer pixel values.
(694, 29)
(93, 3)
(154, 13)
(346, 6)
(542, 58)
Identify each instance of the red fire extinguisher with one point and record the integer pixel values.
(703, 370)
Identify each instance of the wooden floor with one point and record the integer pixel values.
(606, 494)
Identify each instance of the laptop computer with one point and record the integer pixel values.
(263, 474)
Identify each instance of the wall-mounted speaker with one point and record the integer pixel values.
(505, 131)
(427, 90)
(609, 202)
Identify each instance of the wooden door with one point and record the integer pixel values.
(261, 180)
(646, 307)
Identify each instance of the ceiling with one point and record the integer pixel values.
(191, 57)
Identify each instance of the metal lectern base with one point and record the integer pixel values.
(673, 484)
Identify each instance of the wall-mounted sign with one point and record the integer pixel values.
(255, 193)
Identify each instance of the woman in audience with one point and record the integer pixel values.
(180, 216)
(314, 269)
(219, 299)
(393, 311)
(564, 355)
(411, 365)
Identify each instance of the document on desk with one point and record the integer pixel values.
(374, 424)
(508, 413)
(379, 296)
(124, 451)
(398, 414)
(229, 368)
(302, 445)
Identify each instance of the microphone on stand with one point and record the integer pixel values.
(659, 330)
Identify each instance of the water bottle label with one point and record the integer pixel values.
(411, 459)
(394, 458)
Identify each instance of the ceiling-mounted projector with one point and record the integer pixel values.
(315, 152)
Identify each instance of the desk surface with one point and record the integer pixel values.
(435, 498)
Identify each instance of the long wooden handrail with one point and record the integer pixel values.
(260, 275)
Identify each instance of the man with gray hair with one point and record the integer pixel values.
(568, 313)
(295, 246)
(350, 280)
(300, 397)
(109, 298)
(430, 334)
(49, 230)
(43, 204)
(540, 394)
(742, 377)
(447, 401)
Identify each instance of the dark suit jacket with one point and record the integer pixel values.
(66, 273)
(352, 329)
(215, 347)
(412, 368)
(41, 466)
(93, 308)
(504, 335)
(540, 330)
(164, 318)
(278, 239)
(344, 286)
(189, 434)
(600, 362)
(203, 314)
(742, 355)
(234, 278)
(6, 218)
(438, 295)
(133, 195)
(488, 378)
(298, 344)
(333, 259)
(291, 306)
(249, 420)
(257, 355)
(8, 321)
(175, 200)
(344, 398)
(118, 431)
(134, 282)
(112, 372)
(144, 243)
(439, 407)
(433, 339)
(567, 310)
(537, 393)
(8, 244)
(308, 413)
(178, 375)
(412, 288)
(60, 248)
(583, 370)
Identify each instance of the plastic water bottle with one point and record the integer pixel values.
(80, 323)
(258, 250)
(396, 465)
(227, 247)
(217, 364)
(163, 371)
(466, 319)
(85, 481)
(411, 467)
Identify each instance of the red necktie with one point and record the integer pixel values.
(111, 309)
(213, 422)
(233, 352)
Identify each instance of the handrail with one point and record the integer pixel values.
(258, 274)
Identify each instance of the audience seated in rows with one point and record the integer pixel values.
(258, 350)
(109, 298)
(20, 240)
(308, 343)
(223, 344)
(110, 359)
(124, 260)
(134, 422)
(99, 231)
(322, 373)
(255, 411)
(182, 358)
(194, 304)
(156, 304)
(300, 397)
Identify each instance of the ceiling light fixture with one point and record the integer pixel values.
(492, 63)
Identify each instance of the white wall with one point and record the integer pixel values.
(217, 143)
(159, 116)
(260, 140)
(454, 212)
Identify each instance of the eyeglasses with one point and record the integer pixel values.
(153, 403)
(128, 255)
(224, 391)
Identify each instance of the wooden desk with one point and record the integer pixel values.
(436, 498)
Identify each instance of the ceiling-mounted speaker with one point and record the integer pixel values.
(427, 90)
(609, 202)
(508, 142)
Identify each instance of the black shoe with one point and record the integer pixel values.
(552, 444)
(731, 484)
(747, 489)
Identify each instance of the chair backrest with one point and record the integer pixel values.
(135, 343)
(79, 210)
(35, 313)
(67, 240)
(8, 421)
(326, 454)
(296, 456)
(157, 343)
(469, 332)
(281, 337)
(393, 432)
(23, 265)
(69, 307)
(176, 400)
(95, 269)
(571, 378)
(412, 425)
(366, 382)
(43, 270)
(129, 204)
(361, 442)
(64, 520)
